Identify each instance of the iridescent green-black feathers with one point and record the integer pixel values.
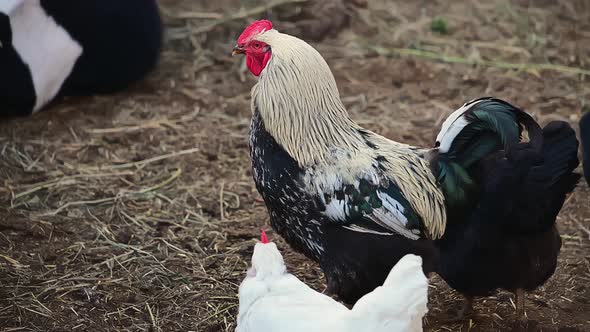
(478, 129)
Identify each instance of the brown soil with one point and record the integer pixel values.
(137, 211)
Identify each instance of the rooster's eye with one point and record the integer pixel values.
(256, 45)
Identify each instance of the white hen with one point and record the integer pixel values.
(273, 300)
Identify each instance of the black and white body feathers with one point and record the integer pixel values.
(355, 252)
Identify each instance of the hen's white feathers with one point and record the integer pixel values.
(273, 300)
(405, 291)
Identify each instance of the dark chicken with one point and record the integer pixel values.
(509, 240)
(585, 137)
(357, 202)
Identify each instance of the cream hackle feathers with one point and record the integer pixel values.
(299, 102)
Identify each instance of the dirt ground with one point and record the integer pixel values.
(137, 211)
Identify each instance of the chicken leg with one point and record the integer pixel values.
(520, 298)
(466, 309)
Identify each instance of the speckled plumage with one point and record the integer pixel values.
(292, 210)
(354, 266)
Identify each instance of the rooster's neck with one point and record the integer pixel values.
(310, 124)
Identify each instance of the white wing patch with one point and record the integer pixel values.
(453, 126)
(337, 209)
(357, 228)
(393, 206)
(335, 177)
(390, 215)
(388, 220)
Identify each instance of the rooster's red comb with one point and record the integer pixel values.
(253, 29)
(263, 237)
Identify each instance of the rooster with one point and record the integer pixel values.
(357, 202)
(273, 300)
(585, 137)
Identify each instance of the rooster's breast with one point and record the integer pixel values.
(294, 213)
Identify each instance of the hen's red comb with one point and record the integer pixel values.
(253, 29)
(263, 237)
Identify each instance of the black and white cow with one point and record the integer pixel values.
(50, 48)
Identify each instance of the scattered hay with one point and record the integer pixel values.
(137, 211)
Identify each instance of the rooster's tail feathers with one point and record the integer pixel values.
(477, 129)
(585, 137)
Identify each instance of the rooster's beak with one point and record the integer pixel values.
(237, 50)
